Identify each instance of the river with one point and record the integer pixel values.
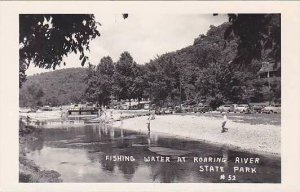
(84, 153)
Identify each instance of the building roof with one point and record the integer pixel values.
(267, 67)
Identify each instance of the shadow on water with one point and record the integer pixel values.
(89, 154)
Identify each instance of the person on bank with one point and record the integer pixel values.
(224, 129)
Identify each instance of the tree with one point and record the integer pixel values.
(220, 82)
(123, 76)
(163, 79)
(32, 96)
(259, 36)
(46, 38)
(106, 67)
(100, 81)
(138, 83)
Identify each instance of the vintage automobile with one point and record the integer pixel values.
(75, 107)
(163, 110)
(168, 110)
(257, 108)
(275, 108)
(242, 108)
(89, 106)
(177, 109)
(46, 108)
(188, 109)
(225, 108)
(124, 107)
(158, 111)
(29, 110)
(203, 109)
(147, 106)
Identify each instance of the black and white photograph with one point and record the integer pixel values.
(110, 96)
(166, 98)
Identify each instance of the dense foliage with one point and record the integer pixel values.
(59, 87)
(218, 68)
(46, 38)
(206, 71)
(99, 81)
(121, 80)
(259, 36)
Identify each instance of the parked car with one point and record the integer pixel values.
(46, 108)
(188, 108)
(147, 106)
(168, 110)
(32, 110)
(257, 108)
(177, 109)
(89, 106)
(133, 107)
(203, 109)
(75, 107)
(242, 108)
(276, 108)
(225, 108)
(124, 107)
(158, 111)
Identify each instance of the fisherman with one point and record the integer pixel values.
(148, 124)
(111, 113)
(149, 119)
(121, 118)
(99, 112)
(152, 114)
(224, 123)
(28, 119)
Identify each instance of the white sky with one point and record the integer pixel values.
(143, 36)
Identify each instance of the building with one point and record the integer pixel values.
(269, 70)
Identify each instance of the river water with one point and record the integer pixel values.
(85, 153)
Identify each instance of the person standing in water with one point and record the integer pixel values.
(224, 123)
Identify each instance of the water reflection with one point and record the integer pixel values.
(35, 145)
(167, 173)
(128, 169)
(79, 154)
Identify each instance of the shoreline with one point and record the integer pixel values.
(277, 156)
(29, 172)
(240, 140)
(204, 128)
(247, 133)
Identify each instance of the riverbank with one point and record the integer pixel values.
(246, 136)
(257, 133)
(29, 172)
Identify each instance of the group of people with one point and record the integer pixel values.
(105, 114)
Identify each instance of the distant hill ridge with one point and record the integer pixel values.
(59, 87)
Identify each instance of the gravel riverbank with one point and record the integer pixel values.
(259, 133)
(263, 138)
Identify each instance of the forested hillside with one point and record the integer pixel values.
(206, 70)
(215, 70)
(54, 88)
